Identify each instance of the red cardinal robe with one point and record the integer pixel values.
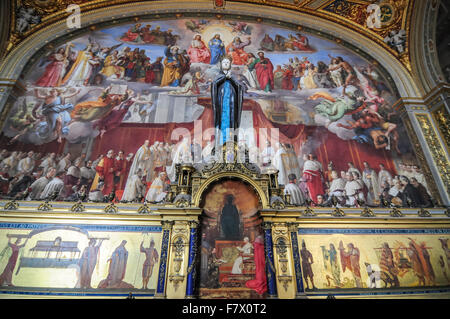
(106, 170)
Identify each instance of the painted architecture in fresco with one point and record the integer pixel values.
(232, 245)
(102, 113)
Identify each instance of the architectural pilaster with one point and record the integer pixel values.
(177, 265)
(161, 285)
(293, 229)
(192, 260)
(270, 268)
(283, 257)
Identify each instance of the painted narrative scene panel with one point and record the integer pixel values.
(382, 258)
(232, 263)
(67, 258)
(114, 110)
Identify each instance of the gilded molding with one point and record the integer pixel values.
(436, 149)
(442, 118)
(78, 207)
(395, 212)
(338, 212)
(111, 209)
(12, 205)
(46, 206)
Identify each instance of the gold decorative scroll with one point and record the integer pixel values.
(442, 119)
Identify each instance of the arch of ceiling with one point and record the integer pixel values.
(424, 57)
(406, 85)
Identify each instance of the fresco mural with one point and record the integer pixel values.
(391, 258)
(100, 111)
(232, 263)
(79, 258)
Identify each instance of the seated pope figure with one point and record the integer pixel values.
(245, 253)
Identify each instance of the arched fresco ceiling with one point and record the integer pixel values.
(355, 14)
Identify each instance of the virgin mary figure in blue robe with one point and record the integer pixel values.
(217, 49)
(227, 96)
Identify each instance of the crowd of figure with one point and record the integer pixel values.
(357, 188)
(37, 176)
(362, 87)
(148, 174)
(95, 63)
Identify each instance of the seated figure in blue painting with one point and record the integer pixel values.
(217, 49)
(227, 96)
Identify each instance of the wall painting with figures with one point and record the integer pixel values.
(366, 258)
(71, 258)
(232, 262)
(102, 109)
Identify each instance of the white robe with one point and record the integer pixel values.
(352, 190)
(251, 76)
(74, 171)
(96, 196)
(237, 265)
(11, 161)
(297, 195)
(134, 188)
(47, 164)
(370, 178)
(37, 188)
(312, 165)
(142, 160)
(63, 164)
(383, 176)
(25, 165)
(361, 193)
(87, 173)
(279, 165)
(337, 186)
(135, 117)
(55, 185)
(182, 154)
(156, 191)
(336, 75)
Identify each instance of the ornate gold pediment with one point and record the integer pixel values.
(231, 162)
